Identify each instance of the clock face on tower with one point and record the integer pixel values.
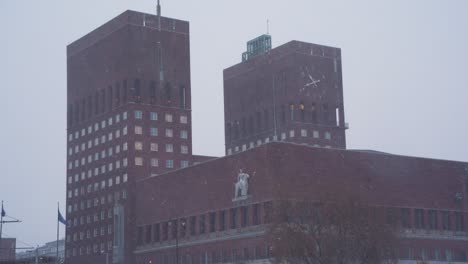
(312, 80)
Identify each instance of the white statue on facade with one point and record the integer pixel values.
(242, 185)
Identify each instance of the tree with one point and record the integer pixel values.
(346, 231)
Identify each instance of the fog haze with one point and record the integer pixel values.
(404, 73)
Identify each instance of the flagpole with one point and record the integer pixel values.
(1, 224)
(58, 209)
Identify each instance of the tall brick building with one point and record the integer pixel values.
(291, 93)
(129, 116)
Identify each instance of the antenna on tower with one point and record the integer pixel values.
(158, 13)
(268, 27)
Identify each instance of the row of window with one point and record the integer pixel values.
(427, 219)
(169, 148)
(169, 132)
(105, 100)
(138, 116)
(86, 204)
(291, 134)
(96, 186)
(237, 217)
(435, 254)
(260, 122)
(89, 219)
(87, 235)
(81, 251)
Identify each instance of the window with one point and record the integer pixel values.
(432, 219)
(445, 220)
(327, 135)
(138, 130)
(153, 131)
(212, 222)
(201, 228)
(153, 116)
(117, 118)
(125, 177)
(169, 148)
(109, 137)
(222, 220)
(183, 134)
(138, 115)
(183, 119)
(316, 134)
(168, 117)
(154, 162)
(124, 115)
(109, 121)
(154, 147)
(124, 131)
(303, 133)
(138, 145)
(459, 221)
(138, 161)
(291, 133)
(103, 124)
(418, 218)
(233, 213)
(125, 162)
(283, 136)
(125, 146)
(169, 164)
(169, 132)
(183, 149)
(184, 164)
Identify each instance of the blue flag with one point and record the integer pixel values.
(3, 212)
(61, 219)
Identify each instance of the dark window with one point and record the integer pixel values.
(405, 218)
(302, 111)
(225, 256)
(291, 112)
(228, 132)
(251, 126)
(325, 114)
(446, 225)
(391, 217)
(234, 255)
(283, 114)
(233, 218)
(267, 208)
(244, 216)
(152, 92)
(243, 127)
(110, 98)
(255, 214)
(266, 119)
(418, 218)
(124, 91)
(202, 224)
(214, 258)
(140, 235)
(432, 214)
(136, 90)
(117, 94)
(103, 101)
(165, 230)
(168, 91)
(193, 222)
(259, 121)
(96, 103)
(313, 113)
(182, 96)
(174, 228)
(459, 226)
(222, 220)
(156, 233)
(212, 222)
(90, 106)
(183, 227)
(246, 254)
(148, 233)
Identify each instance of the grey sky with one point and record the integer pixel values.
(404, 71)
